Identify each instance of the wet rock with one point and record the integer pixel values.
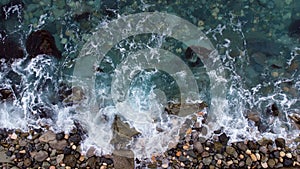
(276, 154)
(108, 161)
(253, 157)
(91, 162)
(266, 47)
(60, 136)
(287, 162)
(9, 49)
(175, 108)
(273, 109)
(41, 42)
(90, 152)
(230, 150)
(248, 161)
(259, 58)
(58, 145)
(75, 139)
(4, 157)
(294, 28)
(280, 142)
(252, 145)
(123, 133)
(192, 57)
(59, 158)
(71, 96)
(12, 9)
(264, 164)
(191, 153)
(27, 162)
(223, 139)
(296, 119)
(271, 163)
(67, 151)
(41, 156)
(123, 159)
(263, 149)
(219, 147)
(205, 154)
(265, 141)
(253, 116)
(82, 16)
(47, 136)
(6, 94)
(166, 165)
(242, 146)
(207, 160)
(45, 164)
(70, 160)
(183, 159)
(198, 147)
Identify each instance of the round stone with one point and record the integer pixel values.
(166, 165)
(288, 155)
(264, 164)
(282, 154)
(271, 163)
(253, 157)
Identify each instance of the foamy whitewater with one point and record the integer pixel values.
(142, 104)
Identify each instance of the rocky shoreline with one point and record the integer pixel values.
(42, 148)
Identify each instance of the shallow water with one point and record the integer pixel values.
(255, 65)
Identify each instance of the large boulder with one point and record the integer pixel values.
(41, 42)
(9, 49)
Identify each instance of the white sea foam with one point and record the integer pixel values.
(146, 104)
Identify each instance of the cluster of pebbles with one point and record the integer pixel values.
(42, 148)
(45, 149)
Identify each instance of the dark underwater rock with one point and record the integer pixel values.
(9, 49)
(83, 16)
(192, 57)
(6, 94)
(267, 47)
(273, 109)
(294, 28)
(41, 42)
(11, 9)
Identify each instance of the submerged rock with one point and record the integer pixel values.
(9, 49)
(294, 28)
(263, 46)
(41, 42)
(273, 109)
(253, 116)
(13, 8)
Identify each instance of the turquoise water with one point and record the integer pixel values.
(256, 45)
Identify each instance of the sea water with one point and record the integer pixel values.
(254, 73)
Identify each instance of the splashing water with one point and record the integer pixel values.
(126, 85)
